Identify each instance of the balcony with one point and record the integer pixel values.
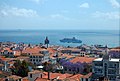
(112, 73)
(112, 67)
(98, 67)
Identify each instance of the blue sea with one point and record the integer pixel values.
(89, 37)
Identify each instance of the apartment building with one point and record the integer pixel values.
(106, 67)
(39, 58)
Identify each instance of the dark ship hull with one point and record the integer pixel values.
(70, 40)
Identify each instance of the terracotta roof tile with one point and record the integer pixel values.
(25, 79)
(57, 75)
(82, 60)
(41, 79)
(36, 54)
(35, 71)
(2, 79)
(8, 49)
(118, 49)
(32, 50)
(51, 50)
(15, 77)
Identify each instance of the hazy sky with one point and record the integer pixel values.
(59, 14)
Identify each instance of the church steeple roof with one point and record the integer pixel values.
(46, 40)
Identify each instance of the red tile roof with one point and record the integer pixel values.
(2, 79)
(8, 49)
(14, 77)
(56, 75)
(32, 50)
(25, 79)
(87, 75)
(63, 77)
(76, 77)
(41, 79)
(114, 49)
(51, 50)
(82, 59)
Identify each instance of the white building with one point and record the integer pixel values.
(106, 67)
(34, 74)
(40, 58)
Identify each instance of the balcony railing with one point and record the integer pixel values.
(98, 66)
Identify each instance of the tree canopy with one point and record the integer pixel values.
(20, 68)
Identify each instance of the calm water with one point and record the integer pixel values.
(106, 37)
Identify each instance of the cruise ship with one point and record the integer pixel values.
(70, 40)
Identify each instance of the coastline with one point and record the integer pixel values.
(109, 37)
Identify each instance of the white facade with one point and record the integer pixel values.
(33, 75)
(40, 58)
(106, 67)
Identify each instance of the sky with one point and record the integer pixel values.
(60, 14)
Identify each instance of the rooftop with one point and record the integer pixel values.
(82, 59)
(72, 49)
(32, 50)
(35, 71)
(115, 49)
(36, 54)
(112, 59)
(15, 77)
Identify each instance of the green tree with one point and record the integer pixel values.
(20, 68)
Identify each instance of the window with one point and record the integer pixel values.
(33, 56)
(30, 75)
(86, 79)
(77, 69)
(105, 67)
(82, 79)
(65, 68)
(69, 69)
(112, 71)
(37, 60)
(111, 65)
(6, 79)
(36, 56)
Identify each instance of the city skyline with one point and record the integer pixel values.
(59, 14)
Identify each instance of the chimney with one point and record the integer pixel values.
(48, 75)
(41, 75)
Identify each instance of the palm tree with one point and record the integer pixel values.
(48, 67)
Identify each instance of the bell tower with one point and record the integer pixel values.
(46, 41)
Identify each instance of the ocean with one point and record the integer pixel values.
(89, 37)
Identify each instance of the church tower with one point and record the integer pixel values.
(46, 41)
